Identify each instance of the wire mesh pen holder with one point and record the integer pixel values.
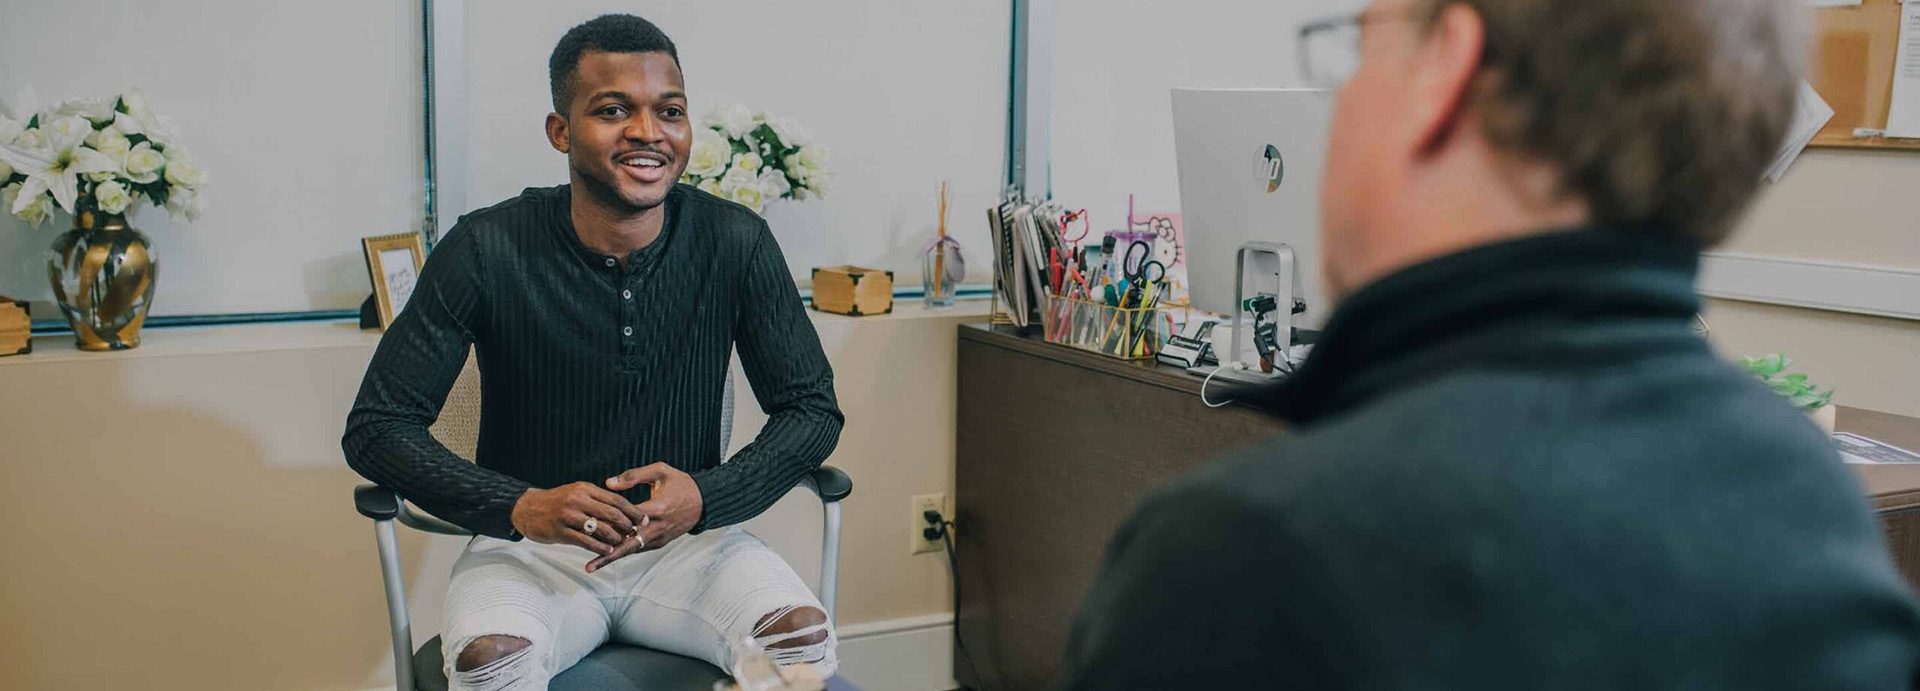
(1124, 333)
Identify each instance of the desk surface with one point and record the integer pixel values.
(1891, 486)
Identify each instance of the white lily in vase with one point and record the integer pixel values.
(57, 164)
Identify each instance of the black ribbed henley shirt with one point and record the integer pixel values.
(590, 368)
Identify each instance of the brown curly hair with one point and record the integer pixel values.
(1660, 114)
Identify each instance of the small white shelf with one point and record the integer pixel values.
(296, 336)
(206, 340)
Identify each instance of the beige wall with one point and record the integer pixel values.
(1836, 206)
(177, 516)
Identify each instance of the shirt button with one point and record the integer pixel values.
(611, 261)
(626, 294)
(627, 331)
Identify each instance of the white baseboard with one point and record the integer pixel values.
(1881, 291)
(905, 654)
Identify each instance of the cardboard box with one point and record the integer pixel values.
(16, 327)
(852, 291)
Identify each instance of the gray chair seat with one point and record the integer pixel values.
(612, 666)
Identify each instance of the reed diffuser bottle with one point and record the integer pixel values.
(941, 266)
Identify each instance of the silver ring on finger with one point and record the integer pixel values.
(591, 525)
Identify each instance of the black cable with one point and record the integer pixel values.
(953, 565)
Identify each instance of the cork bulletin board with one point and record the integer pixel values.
(1854, 55)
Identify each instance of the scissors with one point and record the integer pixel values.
(1141, 271)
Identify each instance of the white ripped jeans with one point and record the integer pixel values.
(689, 598)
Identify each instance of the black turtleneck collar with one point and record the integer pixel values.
(1574, 298)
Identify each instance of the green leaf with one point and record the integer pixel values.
(1768, 366)
(1813, 400)
(1796, 378)
(766, 134)
(33, 122)
(739, 147)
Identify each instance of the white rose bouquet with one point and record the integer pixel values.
(105, 155)
(753, 158)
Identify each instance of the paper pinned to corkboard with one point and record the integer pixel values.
(1903, 117)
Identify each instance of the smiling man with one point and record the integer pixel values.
(1510, 463)
(603, 314)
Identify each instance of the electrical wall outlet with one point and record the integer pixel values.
(917, 524)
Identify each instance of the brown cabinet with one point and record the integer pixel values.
(1056, 447)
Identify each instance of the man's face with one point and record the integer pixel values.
(626, 132)
(1368, 142)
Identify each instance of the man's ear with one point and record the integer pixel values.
(557, 133)
(1448, 61)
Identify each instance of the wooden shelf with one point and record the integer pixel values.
(1837, 141)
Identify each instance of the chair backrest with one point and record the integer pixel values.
(459, 425)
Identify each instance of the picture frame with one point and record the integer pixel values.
(393, 264)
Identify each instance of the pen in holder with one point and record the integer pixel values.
(1127, 333)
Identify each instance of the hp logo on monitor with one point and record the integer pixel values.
(1269, 168)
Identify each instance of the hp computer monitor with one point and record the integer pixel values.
(1250, 163)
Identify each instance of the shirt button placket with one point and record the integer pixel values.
(626, 314)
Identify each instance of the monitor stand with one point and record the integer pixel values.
(1263, 269)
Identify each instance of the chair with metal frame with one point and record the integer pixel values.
(612, 666)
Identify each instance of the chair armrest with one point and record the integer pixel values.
(382, 504)
(832, 484)
(412, 517)
(376, 502)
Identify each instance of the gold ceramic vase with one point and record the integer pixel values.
(103, 273)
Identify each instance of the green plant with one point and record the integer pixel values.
(1772, 370)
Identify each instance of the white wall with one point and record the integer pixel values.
(1115, 65)
(305, 115)
(904, 94)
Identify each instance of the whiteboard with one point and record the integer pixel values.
(305, 116)
(904, 94)
(308, 119)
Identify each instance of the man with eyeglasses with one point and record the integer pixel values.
(1511, 464)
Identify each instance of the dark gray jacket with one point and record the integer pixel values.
(1511, 468)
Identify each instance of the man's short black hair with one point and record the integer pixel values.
(607, 33)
